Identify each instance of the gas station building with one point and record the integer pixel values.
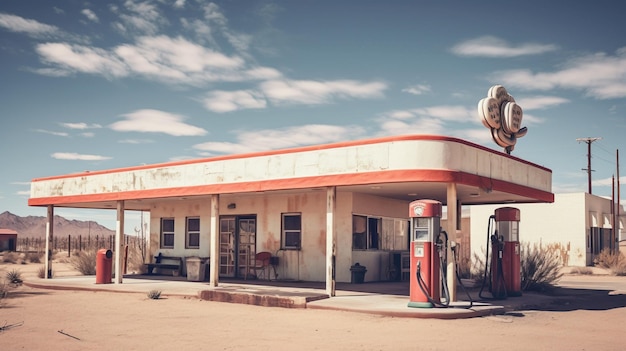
(318, 210)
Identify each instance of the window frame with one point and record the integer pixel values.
(390, 233)
(188, 233)
(285, 232)
(165, 233)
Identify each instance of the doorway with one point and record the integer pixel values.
(237, 246)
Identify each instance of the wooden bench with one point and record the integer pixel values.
(173, 263)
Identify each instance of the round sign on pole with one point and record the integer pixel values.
(503, 116)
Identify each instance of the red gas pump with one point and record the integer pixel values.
(505, 277)
(507, 226)
(425, 282)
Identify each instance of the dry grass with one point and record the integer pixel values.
(10, 257)
(541, 266)
(85, 262)
(613, 262)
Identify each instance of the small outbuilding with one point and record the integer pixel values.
(8, 240)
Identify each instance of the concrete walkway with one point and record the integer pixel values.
(382, 298)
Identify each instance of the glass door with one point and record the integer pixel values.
(247, 247)
(237, 246)
(227, 247)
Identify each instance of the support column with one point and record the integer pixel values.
(49, 237)
(451, 230)
(215, 242)
(331, 242)
(119, 234)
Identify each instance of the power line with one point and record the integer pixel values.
(588, 169)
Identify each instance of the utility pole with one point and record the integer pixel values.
(617, 227)
(588, 169)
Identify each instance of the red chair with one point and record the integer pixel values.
(262, 264)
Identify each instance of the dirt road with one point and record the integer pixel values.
(73, 320)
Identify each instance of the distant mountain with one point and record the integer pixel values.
(34, 226)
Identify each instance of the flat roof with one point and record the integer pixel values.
(401, 167)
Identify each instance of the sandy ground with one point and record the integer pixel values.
(73, 320)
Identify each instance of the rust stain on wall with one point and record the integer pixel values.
(321, 241)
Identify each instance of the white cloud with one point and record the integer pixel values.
(311, 92)
(227, 101)
(90, 15)
(165, 58)
(142, 18)
(63, 134)
(27, 26)
(439, 120)
(442, 112)
(417, 89)
(80, 125)
(79, 157)
(271, 139)
(306, 92)
(541, 102)
(490, 46)
(154, 121)
(600, 75)
(82, 59)
(135, 141)
(422, 125)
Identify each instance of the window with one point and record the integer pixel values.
(192, 240)
(167, 233)
(292, 231)
(374, 233)
(359, 232)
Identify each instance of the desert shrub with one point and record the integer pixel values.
(614, 262)
(34, 257)
(135, 260)
(41, 272)
(61, 257)
(154, 294)
(10, 257)
(4, 291)
(85, 262)
(14, 277)
(541, 267)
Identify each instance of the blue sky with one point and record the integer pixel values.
(91, 85)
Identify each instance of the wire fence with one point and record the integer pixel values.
(78, 243)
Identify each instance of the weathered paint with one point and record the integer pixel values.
(414, 158)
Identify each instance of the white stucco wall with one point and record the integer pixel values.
(308, 263)
(562, 225)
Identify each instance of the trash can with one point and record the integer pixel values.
(104, 266)
(358, 273)
(195, 269)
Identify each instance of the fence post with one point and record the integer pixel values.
(69, 244)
